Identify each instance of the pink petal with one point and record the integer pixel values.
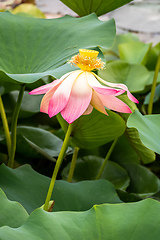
(79, 99)
(61, 95)
(107, 91)
(45, 88)
(96, 103)
(119, 85)
(113, 103)
(47, 97)
(92, 81)
(120, 91)
(88, 110)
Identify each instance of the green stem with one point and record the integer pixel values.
(150, 105)
(5, 126)
(106, 159)
(57, 166)
(14, 126)
(73, 164)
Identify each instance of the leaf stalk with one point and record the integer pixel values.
(14, 126)
(73, 164)
(5, 125)
(153, 88)
(106, 159)
(57, 166)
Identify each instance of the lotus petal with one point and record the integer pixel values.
(79, 99)
(62, 94)
(114, 103)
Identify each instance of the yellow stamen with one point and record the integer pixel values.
(88, 53)
(87, 60)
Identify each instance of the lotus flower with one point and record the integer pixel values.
(78, 92)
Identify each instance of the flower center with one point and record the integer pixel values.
(87, 60)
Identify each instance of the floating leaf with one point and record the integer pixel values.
(30, 188)
(12, 214)
(138, 220)
(88, 168)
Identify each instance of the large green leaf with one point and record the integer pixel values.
(113, 53)
(33, 142)
(33, 48)
(124, 152)
(95, 129)
(12, 214)
(6, 87)
(128, 197)
(145, 154)
(135, 76)
(30, 188)
(38, 139)
(148, 128)
(100, 7)
(153, 57)
(156, 95)
(30, 104)
(131, 221)
(134, 52)
(123, 38)
(88, 168)
(142, 180)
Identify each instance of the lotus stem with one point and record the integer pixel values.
(106, 159)
(73, 164)
(57, 166)
(5, 125)
(150, 105)
(14, 126)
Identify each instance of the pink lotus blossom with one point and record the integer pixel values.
(78, 92)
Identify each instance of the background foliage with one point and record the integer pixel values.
(34, 52)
